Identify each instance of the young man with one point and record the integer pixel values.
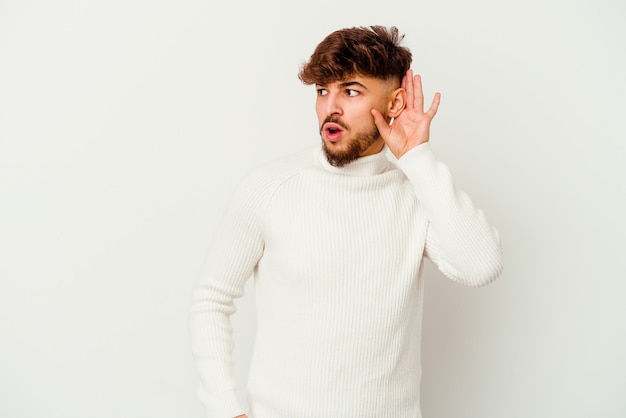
(335, 239)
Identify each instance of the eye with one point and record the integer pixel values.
(352, 93)
(322, 92)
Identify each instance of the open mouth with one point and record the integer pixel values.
(333, 131)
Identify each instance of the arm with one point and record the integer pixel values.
(234, 252)
(459, 239)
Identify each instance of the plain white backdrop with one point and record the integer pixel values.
(125, 126)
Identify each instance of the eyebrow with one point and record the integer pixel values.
(352, 84)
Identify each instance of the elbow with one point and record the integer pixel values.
(485, 270)
(485, 276)
(477, 271)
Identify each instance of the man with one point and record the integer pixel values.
(335, 238)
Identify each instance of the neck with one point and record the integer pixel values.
(375, 148)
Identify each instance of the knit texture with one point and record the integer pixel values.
(336, 255)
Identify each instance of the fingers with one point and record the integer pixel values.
(408, 87)
(381, 124)
(418, 93)
(432, 111)
(415, 94)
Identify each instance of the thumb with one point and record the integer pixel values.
(381, 124)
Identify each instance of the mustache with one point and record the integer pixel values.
(333, 119)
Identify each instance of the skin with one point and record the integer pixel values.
(412, 127)
(355, 116)
(343, 111)
(373, 106)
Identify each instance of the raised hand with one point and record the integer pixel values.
(412, 126)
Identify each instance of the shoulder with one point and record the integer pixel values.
(274, 172)
(261, 182)
(284, 167)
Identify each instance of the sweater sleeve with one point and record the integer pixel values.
(459, 239)
(236, 247)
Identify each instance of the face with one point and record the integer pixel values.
(344, 113)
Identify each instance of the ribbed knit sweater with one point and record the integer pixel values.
(336, 255)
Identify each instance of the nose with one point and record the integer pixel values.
(333, 105)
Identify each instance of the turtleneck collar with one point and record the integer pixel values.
(364, 166)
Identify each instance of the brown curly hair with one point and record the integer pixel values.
(372, 51)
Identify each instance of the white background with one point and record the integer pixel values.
(125, 126)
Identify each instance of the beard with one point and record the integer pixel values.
(361, 142)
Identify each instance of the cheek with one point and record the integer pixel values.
(365, 113)
(319, 110)
(381, 107)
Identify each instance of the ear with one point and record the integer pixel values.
(397, 102)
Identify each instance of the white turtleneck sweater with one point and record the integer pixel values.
(336, 255)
